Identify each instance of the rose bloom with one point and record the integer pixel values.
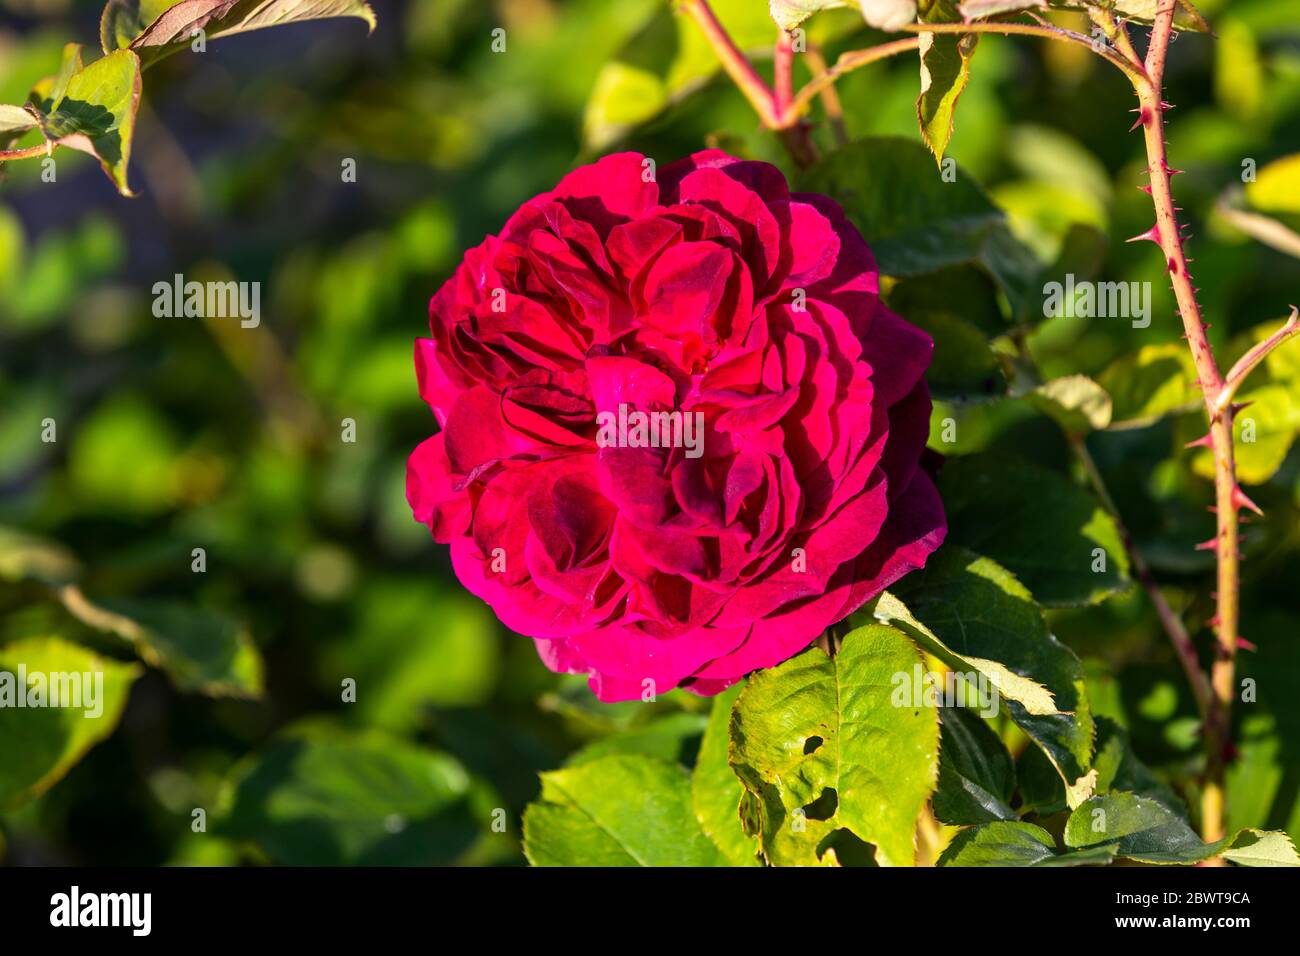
(712, 289)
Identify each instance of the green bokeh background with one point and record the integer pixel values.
(183, 433)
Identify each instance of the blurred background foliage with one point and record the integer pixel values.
(176, 434)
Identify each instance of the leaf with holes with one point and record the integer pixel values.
(831, 755)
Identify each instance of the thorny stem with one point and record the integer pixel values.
(1228, 497)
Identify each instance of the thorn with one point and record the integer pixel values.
(1152, 234)
(1173, 267)
(1245, 645)
(1143, 118)
(1213, 622)
(1145, 189)
(1204, 442)
(1206, 545)
(1240, 500)
(1240, 406)
(1165, 106)
(1170, 171)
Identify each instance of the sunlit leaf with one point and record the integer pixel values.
(974, 615)
(92, 109)
(945, 71)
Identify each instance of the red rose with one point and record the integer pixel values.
(680, 432)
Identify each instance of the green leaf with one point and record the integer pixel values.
(1262, 848)
(1144, 830)
(976, 774)
(962, 600)
(1138, 828)
(716, 790)
(916, 223)
(27, 557)
(200, 650)
(820, 745)
(173, 24)
(317, 795)
(617, 811)
(945, 71)
(43, 743)
(1119, 769)
(1075, 402)
(1014, 844)
(1149, 384)
(92, 109)
(1038, 524)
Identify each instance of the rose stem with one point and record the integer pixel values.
(738, 67)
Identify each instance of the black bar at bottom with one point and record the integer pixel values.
(333, 906)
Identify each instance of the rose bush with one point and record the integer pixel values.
(709, 289)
